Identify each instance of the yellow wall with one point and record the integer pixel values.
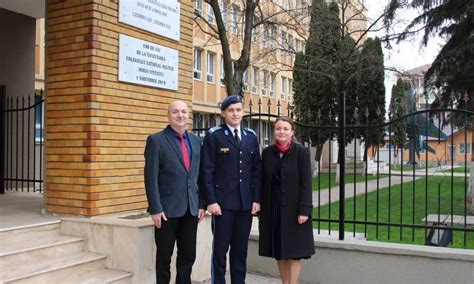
(96, 126)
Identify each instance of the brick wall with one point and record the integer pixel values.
(96, 126)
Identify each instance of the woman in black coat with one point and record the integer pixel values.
(285, 226)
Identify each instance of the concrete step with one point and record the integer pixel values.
(104, 275)
(88, 276)
(52, 269)
(36, 246)
(44, 227)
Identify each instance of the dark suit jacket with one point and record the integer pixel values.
(169, 187)
(230, 172)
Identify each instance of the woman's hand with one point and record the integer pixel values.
(302, 219)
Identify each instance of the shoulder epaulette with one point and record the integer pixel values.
(215, 128)
(250, 130)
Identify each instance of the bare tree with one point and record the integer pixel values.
(256, 15)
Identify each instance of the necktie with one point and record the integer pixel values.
(236, 136)
(184, 150)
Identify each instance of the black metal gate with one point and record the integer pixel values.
(22, 141)
(413, 197)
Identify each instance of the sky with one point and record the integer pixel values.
(406, 55)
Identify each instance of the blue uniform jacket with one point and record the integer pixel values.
(230, 173)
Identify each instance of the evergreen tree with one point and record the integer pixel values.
(371, 92)
(329, 71)
(397, 109)
(314, 75)
(450, 73)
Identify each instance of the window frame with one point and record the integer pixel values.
(197, 72)
(210, 67)
(198, 7)
(272, 84)
(264, 82)
(255, 80)
(283, 88)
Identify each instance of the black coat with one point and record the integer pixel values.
(296, 199)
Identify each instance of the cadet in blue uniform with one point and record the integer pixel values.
(230, 181)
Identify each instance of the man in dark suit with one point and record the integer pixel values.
(171, 171)
(230, 184)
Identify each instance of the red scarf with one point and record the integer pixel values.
(283, 148)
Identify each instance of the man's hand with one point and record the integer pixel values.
(214, 209)
(200, 215)
(157, 219)
(302, 219)
(255, 208)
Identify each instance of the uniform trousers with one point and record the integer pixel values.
(181, 230)
(232, 229)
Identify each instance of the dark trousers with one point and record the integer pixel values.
(232, 229)
(183, 231)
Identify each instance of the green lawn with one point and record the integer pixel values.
(393, 213)
(459, 170)
(323, 181)
(409, 167)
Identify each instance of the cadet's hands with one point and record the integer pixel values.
(302, 219)
(255, 208)
(200, 215)
(214, 209)
(157, 219)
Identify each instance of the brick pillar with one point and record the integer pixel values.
(96, 126)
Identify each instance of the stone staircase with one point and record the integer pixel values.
(40, 254)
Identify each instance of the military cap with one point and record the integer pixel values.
(230, 100)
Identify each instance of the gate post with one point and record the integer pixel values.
(3, 94)
(342, 164)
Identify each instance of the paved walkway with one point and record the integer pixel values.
(360, 189)
(23, 208)
(251, 278)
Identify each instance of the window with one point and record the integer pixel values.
(264, 37)
(272, 38)
(291, 45)
(272, 84)
(291, 4)
(210, 67)
(255, 80)
(465, 148)
(197, 63)
(264, 82)
(283, 88)
(298, 46)
(255, 31)
(202, 121)
(235, 27)
(197, 7)
(222, 71)
(245, 81)
(210, 14)
(39, 129)
(283, 42)
(290, 89)
(224, 13)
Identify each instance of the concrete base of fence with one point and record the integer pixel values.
(354, 261)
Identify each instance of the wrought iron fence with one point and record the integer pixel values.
(416, 193)
(22, 143)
